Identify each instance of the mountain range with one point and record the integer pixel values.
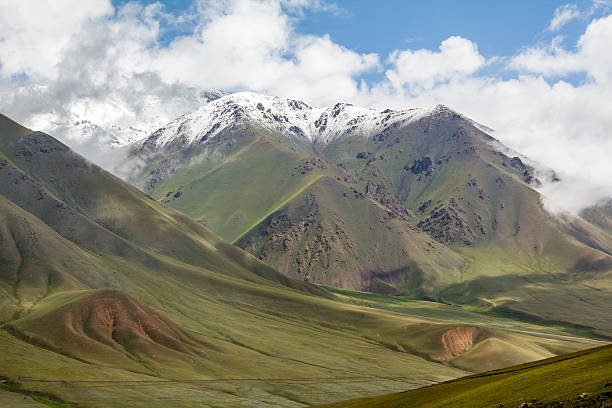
(266, 253)
(419, 202)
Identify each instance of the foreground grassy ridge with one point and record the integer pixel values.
(311, 354)
(554, 382)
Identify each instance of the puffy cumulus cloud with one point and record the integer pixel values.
(231, 48)
(33, 34)
(563, 15)
(252, 45)
(552, 60)
(592, 55)
(595, 49)
(422, 69)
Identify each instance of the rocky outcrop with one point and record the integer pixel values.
(421, 166)
(446, 224)
(395, 209)
(307, 165)
(306, 238)
(524, 171)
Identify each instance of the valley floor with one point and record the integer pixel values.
(39, 373)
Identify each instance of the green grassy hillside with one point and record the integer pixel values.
(329, 231)
(433, 208)
(582, 379)
(111, 298)
(203, 187)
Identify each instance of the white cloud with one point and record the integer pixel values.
(552, 60)
(592, 56)
(252, 45)
(563, 15)
(422, 69)
(33, 34)
(110, 67)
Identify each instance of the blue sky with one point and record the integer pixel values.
(499, 28)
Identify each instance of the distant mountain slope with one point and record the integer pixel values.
(102, 286)
(582, 379)
(329, 233)
(420, 201)
(594, 226)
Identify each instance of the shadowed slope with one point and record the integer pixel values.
(35, 261)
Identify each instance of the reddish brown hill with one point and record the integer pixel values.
(112, 327)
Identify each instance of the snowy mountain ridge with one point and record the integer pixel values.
(290, 117)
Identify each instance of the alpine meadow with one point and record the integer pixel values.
(281, 203)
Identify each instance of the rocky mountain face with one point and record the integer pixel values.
(420, 201)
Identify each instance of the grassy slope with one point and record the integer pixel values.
(16, 400)
(344, 232)
(518, 259)
(594, 226)
(317, 352)
(235, 194)
(508, 342)
(554, 382)
(251, 185)
(69, 227)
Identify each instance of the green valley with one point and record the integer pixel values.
(110, 297)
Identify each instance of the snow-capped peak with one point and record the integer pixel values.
(290, 117)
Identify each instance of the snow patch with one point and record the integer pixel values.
(290, 117)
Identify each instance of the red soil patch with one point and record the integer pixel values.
(460, 339)
(88, 327)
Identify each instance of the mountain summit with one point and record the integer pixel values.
(290, 117)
